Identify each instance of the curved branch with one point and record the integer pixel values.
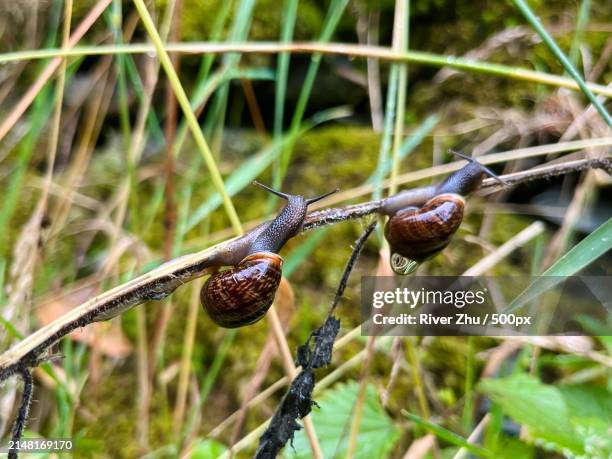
(162, 281)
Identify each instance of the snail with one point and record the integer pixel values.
(423, 220)
(243, 294)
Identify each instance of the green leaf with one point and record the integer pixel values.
(511, 448)
(570, 419)
(207, 449)
(588, 250)
(449, 436)
(588, 401)
(332, 420)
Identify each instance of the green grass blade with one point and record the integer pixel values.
(238, 33)
(411, 142)
(569, 68)
(209, 58)
(114, 18)
(581, 23)
(448, 436)
(385, 144)
(203, 91)
(585, 252)
(282, 71)
(255, 165)
(215, 35)
(402, 82)
(334, 14)
(153, 125)
(192, 121)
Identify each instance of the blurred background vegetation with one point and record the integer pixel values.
(101, 180)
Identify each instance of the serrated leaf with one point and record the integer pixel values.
(332, 421)
(568, 418)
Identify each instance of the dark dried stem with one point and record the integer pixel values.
(24, 409)
(357, 249)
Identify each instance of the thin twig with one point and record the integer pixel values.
(162, 281)
(24, 409)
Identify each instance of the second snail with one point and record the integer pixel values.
(422, 221)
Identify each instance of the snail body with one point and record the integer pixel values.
(243, 294)
(423, 221)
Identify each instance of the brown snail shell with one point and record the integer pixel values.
(242, 295)
(417, 234)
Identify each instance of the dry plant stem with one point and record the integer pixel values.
(59, 98)
(95, 113)
(162, 281)
(473, 438)
(367, 33)
(170, 133)
(144, 388)
(546, 342)
(291, 371)
(185, 370)
(360, 399)
(418, 448)
(253, 105)
(486, 263)
(161, 323)
(377, 52)
(37, 86)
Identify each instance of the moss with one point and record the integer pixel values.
(116, 395)
(198, 17)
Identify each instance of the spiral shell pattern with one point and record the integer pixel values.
(242, 295)
(420, 233)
